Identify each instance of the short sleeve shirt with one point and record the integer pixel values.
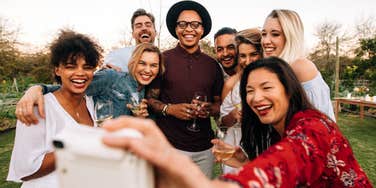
(120, 57)
(185, 74)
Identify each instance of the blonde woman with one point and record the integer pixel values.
(283, 36)
(145, 65)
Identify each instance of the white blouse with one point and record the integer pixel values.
(234, 133)
(318, 93)
(33, 142)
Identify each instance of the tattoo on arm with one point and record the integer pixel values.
(153, 100)
(153, 93)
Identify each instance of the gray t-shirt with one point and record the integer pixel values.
(120, 57)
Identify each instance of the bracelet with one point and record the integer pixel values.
(164, 110)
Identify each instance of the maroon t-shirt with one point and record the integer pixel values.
(185, 74)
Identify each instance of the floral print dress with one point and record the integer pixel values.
(312, 153)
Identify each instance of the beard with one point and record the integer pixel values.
(232, 67)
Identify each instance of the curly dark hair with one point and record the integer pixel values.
(69, 46)
(256, 136)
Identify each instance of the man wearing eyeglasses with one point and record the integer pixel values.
(143, 31)
(188, 70)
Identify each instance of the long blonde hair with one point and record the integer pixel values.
(293, 30)
(137, 53)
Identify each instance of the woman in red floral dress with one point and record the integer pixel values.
(307, 148)
(288, 142)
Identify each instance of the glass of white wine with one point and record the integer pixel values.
(223, 151)
(135, 103)
(103, 111)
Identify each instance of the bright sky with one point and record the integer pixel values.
(108, 21)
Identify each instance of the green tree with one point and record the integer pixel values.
(8, 51)
(206, 47)
(365, 62)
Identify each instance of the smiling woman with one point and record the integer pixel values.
(74, 57)
(309, 149)
(282, 130)
(145, 64)
(283, 36)
(109, 85)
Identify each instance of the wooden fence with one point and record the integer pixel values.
(7, 117)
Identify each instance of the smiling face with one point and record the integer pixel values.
(225, 48)
(147, 68)
(143, 30)
(189, 37)
(76, 76)
(247, 54)
(273, 39)
(267, 97)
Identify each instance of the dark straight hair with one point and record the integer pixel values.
(256, 136)
(225, 30)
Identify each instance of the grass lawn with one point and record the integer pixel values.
(6, 146)
(361, 134)
(362, 137)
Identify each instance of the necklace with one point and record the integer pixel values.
(69, 107)
(79, 107)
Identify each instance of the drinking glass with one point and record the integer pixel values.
(239, 108)
(198, 98)
(224, 151)
(135, 102)
(103, 111)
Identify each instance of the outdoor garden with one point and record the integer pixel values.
(357, 78)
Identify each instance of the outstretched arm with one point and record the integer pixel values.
(155, 148)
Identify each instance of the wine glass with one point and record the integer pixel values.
(225, 150)
(103, 111)
(238, 106)
(135, 102)
(198, 98)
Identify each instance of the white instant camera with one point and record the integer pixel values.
(84, 161)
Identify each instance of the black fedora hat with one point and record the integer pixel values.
(177, 8)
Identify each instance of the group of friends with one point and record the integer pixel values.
(287, 134)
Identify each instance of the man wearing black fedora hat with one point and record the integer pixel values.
(188, 71)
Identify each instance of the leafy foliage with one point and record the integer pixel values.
(14, 64)
(357, 65)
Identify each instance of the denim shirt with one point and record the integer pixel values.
(109, 84)
(115, 86)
